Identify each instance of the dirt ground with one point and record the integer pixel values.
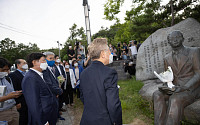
(138, 122)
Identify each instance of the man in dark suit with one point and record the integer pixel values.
(39, 98)
(98, 87)
(185, 64)
(17, 78)
(59, 71)
(51, 79)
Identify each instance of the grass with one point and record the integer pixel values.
(133, 106)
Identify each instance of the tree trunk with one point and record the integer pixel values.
(172, 11)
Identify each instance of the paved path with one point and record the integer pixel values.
(69, 117)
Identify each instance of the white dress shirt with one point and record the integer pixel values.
(38, 72)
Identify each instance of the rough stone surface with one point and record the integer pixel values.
(118, 66)
(155, 47)
(150, 58)
(150, 86)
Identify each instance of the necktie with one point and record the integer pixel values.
(53, 70)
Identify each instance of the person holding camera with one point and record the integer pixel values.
(70, 54)
(80, 49)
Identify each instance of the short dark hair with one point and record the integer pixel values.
(4, 62)
(33, 56)
(73, 62)
(17, 61)
(56, 56)
(135, 42)
(66, 62)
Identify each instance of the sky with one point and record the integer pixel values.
(45, 22)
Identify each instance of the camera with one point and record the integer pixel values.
(77, 44)
(118, 45)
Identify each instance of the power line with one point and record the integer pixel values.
(22, 31)
(15, 30)
(7, 27)
(11, 27)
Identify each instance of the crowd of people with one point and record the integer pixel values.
(125, 51)
(36, 91)
(34, 94)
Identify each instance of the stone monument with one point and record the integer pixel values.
(152, 52)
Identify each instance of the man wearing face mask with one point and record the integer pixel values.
(51, 79)
(98, 87)
(8, 111)
(60, 71)
(49, 74)
(39, 98)
(17, 78)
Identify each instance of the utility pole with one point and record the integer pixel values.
(87, 20)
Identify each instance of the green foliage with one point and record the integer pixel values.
(76, 34)
(145, 17)
(106, 33)
(54, 50)
(133, 106)
(111, 8)
(12, 51)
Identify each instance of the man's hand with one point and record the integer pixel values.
(181, 89)
(14, 94)
(18, 106)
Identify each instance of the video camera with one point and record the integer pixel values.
(118, 45)
(77, 44)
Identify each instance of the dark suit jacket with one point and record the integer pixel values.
(52, 81)
(57, 73)
(187, 70)
(100, 95)
(39, 98)
(17, 78)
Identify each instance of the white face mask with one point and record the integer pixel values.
(58, 60)
(67, 66)
(70, 62)
(76, 64)
(110, 58)
(70, 47)
(3, 74)
(43, 66)
(25, 67)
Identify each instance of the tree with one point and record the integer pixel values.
(12, 51)
(76, 35)
(146, 17)
(106, 33)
